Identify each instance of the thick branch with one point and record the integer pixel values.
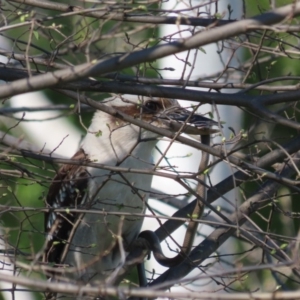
(120, 62)
(260, 198)
(105, 14)
(228, 184)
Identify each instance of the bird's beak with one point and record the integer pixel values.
(187, 121)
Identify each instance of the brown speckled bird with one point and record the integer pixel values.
(87, 241)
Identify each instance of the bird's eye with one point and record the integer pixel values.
(152, 106)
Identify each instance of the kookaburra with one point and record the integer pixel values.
(86, 242)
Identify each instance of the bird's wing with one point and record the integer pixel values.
(67, 190)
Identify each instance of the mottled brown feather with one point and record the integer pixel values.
(67, 190)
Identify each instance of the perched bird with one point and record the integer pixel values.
(87, 242)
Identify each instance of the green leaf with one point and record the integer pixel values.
(36, 34)
(218, 16)
(23, 17)
(202, 50)
(99, 133)
(143, 7)
(206, 171)
(283, 246)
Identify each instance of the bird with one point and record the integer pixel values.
(87, 242)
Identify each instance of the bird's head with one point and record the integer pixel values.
(119, 137)
(161, 112)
